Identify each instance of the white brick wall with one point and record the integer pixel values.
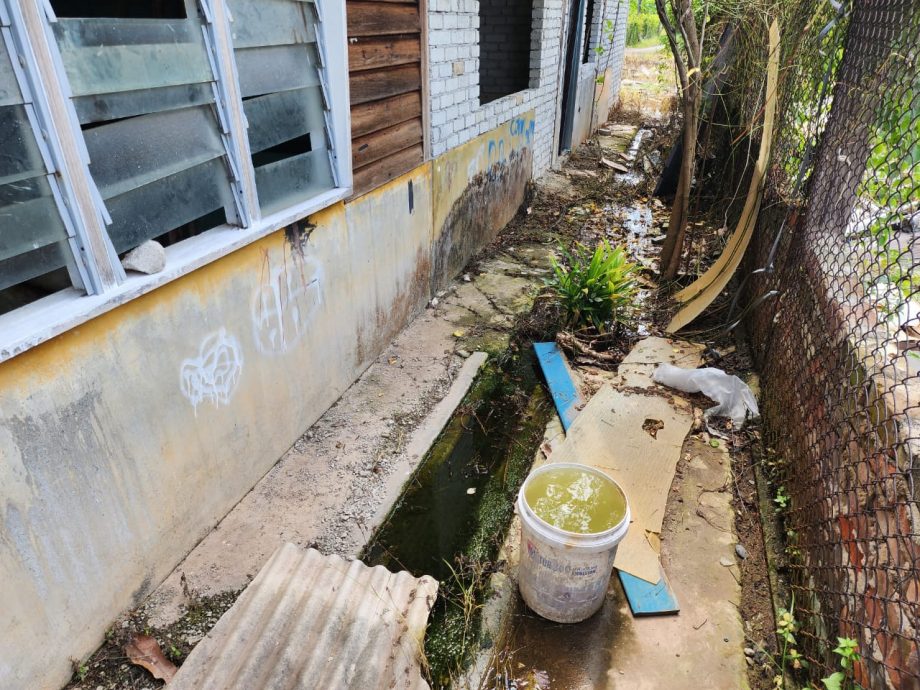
(613, 49)
(453, 53)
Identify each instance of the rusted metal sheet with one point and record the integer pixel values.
(311, 621)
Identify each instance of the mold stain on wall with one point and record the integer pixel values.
(485, 207)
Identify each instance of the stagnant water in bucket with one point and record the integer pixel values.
(575, 501)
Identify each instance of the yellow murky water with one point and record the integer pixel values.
(576, 501)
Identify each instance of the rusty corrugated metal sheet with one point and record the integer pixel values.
(311, 622)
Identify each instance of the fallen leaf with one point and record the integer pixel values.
(458, 334)
(144, 651)
(652, 427)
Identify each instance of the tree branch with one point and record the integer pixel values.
(672, 41)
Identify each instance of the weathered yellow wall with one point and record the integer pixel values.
(125, 440)
(478, 188)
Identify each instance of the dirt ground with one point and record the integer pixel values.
(342, 466)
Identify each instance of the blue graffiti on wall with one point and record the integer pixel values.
(492, 152)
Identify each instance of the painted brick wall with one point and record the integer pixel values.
(454, 64)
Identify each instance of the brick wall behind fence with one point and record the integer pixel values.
(830, 315)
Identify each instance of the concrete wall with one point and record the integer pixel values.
(125, 440)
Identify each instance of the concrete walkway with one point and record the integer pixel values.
(337, 482)
(702, 646)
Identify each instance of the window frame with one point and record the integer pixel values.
(106, 284)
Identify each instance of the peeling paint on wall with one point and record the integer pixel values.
(214, 374)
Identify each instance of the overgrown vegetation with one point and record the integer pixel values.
(594, 288)
(643, 22)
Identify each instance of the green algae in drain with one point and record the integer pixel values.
(575, 501)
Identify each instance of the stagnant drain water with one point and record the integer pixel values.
(453, 515)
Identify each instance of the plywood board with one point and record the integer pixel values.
(377, 115)
(609, 434)
(377, 84)
(384, 51)
(379, 19)
(388, 168)
(373, 147)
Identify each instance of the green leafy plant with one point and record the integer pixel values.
(594, 288)
(792, 549)
(174, 653)
(848, 651)
(80, 670)
(789, 657)
(643, 22)
(782, 499)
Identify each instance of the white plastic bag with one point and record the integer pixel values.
(733, 395)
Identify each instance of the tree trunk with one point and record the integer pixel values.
(672, 249)
(689, 75)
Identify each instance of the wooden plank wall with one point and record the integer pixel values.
(385, 60)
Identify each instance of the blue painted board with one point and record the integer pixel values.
(645, 599)
(566, 395)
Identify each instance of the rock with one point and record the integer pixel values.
(463, 353)
(613, 165)
(433, 304)
(741, 551)
(726, 561)
(466, 278)
(150, 257)
(748, 651)
(497, 581)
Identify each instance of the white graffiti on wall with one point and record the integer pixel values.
(283, 306)
(214, 374)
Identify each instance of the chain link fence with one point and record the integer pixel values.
(831, 294)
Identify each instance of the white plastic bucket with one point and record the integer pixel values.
(563, 576)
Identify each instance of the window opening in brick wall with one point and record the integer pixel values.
(588, 52)
(504, 47)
